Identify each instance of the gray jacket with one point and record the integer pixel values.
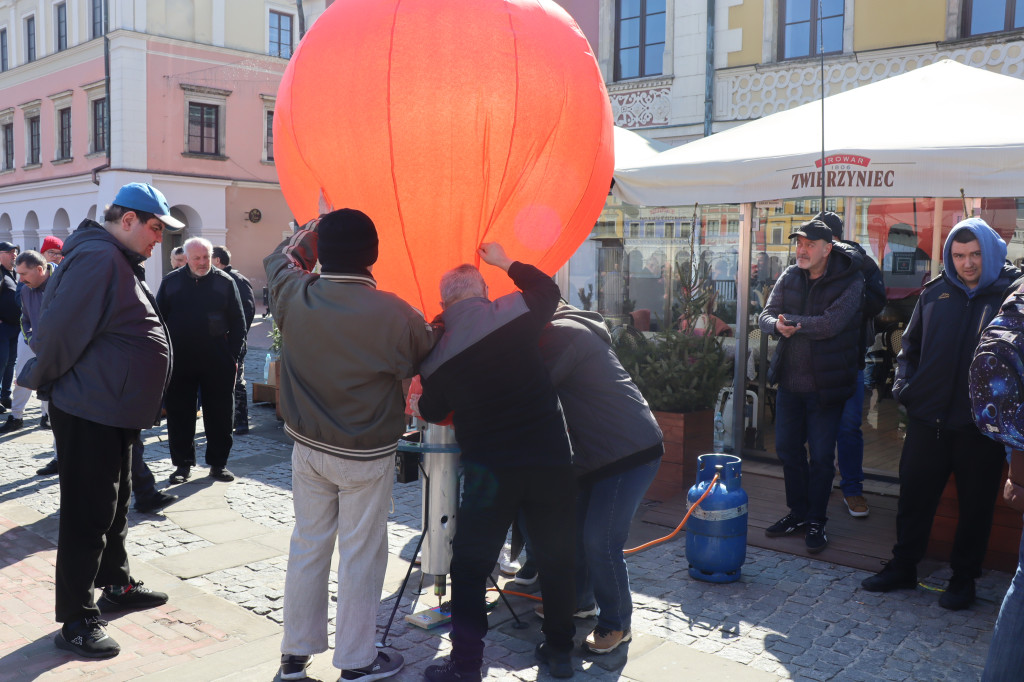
(608, 418)
(101, 348)
(31, 301)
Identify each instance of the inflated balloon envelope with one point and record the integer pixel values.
(449, 123)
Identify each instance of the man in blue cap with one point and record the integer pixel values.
(103, 360)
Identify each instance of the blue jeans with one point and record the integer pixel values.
(850, 442)
(604, 512)
(1006, 655)
(801, 419)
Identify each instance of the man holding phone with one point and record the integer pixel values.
(815, 307)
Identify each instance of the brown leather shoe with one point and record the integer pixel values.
(857, 505)
(601, 641)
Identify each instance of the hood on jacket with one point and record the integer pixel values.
(993, 254)
(593, 321)
(90, 230)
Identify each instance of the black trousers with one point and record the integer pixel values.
(241, 397)
(929, 456)
(95, 488)
(214, 375)
(8, 361)
(491, 497)
(143, 481)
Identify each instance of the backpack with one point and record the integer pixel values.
(997, 374)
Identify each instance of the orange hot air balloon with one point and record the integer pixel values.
(450, 123)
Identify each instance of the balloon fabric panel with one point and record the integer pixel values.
(450, 123)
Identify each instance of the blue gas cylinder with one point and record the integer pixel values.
(716, 534)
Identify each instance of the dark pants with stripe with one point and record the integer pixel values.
(95, 488)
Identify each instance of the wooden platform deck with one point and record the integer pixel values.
(857, 542)
(860, 543)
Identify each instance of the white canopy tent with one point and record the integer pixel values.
(925, 133)
(633, 149)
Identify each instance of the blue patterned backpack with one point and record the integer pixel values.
(997, 375)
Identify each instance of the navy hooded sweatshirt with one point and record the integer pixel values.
(943, 332)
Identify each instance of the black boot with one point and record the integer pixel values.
(959, 594)
(895, 576)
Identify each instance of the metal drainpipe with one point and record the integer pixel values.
(709, 72)
(106, 89)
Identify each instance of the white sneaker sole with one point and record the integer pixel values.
(857, 514)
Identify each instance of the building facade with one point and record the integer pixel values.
(178, 93)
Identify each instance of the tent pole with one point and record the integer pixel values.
(821, 54)
(739, 376)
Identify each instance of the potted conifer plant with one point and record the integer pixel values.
(680, 374)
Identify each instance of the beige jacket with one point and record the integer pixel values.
(345, 349)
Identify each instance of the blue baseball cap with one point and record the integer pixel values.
(143, 197)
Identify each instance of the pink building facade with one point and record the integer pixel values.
(98, 93)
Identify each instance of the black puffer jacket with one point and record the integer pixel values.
(828, 342)
(874, 294)
(10, 311)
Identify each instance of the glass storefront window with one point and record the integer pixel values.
(633, 268)
(637, 260)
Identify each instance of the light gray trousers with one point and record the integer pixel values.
(348, 500)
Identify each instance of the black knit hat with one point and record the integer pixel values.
(348, 241)
(834, 222)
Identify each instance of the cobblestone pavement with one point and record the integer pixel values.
(789, 617)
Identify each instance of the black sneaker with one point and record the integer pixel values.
(959, 594)
(130, 596)
(181, 474)
(158, 501)
(44, 421)
(221, 474)
(559, 664)
(241, 429)
(448, 672)
(815, 539)
(527, 575)
(385, 665)
(51, 469)
(87, 638)
(11, 424)
(787, 525)
(294, 667)
(895, 576)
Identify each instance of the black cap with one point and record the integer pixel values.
(813, 229)
(834, 222)
(7, 246)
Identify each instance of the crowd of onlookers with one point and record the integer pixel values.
(553, 434)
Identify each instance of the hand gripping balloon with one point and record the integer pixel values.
(450, 123)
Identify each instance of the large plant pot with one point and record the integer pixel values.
(687, 436)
